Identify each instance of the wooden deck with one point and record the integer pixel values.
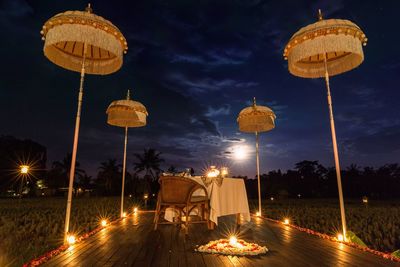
(132, 242)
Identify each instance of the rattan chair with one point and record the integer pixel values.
(177, 192)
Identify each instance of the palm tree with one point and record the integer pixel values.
(149, 162)
(85, 181)
(109, 175)
(61, 169)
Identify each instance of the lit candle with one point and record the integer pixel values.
(71, 239)
(233, 241)
(340, 237)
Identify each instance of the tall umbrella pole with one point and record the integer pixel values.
(75, 146)
(126, 113)
(256, 119)
(335, 149)
(258, 175)
(124, 172)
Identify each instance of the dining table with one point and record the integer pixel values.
(227, 196)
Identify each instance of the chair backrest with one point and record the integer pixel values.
(176, 190)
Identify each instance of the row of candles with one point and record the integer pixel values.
(286, 221)
(71, 238)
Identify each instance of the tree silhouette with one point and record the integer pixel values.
(148, 162)
(109, 176)
(85, 181)
(59, 174)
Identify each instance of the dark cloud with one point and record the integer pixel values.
(234, 140)
(385, 141)
(223, 110)
(195, 65)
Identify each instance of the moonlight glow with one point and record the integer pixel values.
(240, 152)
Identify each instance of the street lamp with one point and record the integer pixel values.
(24, 169)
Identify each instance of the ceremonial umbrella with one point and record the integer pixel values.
(83, 42)
(322, 49)
(256, 119)
(126, 113)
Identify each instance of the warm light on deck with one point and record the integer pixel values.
(124, 215)
(286, 221)
(233, 241)
(258, 214)
(135, 210)
(71, 239)
(232, 246)
(103, 223)
(340, 237)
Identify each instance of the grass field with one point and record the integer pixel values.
(31, 227)
(376, 223)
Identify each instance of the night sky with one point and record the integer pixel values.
(195, 65)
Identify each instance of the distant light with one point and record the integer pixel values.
(213, 172)
(24, 169)
(154, 195)
(233, 241)
(365, 200)
(286, 221)
(146, 196)
(272, 198)
(224, 171)
(71, 239)
(299, 195)
(104, 223)
(258, 214)
(135, 210)
(130, 195)
(340, 237)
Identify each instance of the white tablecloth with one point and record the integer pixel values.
(229, 198)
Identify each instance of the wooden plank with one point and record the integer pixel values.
(146, 253)
(137, 240)
(178, 255)
(163, 248)
(190, 243)
(134, 243)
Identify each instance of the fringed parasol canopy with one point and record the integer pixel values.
(256, 119)
(340, 40)
(126, 113)
(66, 33)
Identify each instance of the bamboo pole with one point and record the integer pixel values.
(124, 172)
(75, 147)
(258, 175)
(335, 150)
